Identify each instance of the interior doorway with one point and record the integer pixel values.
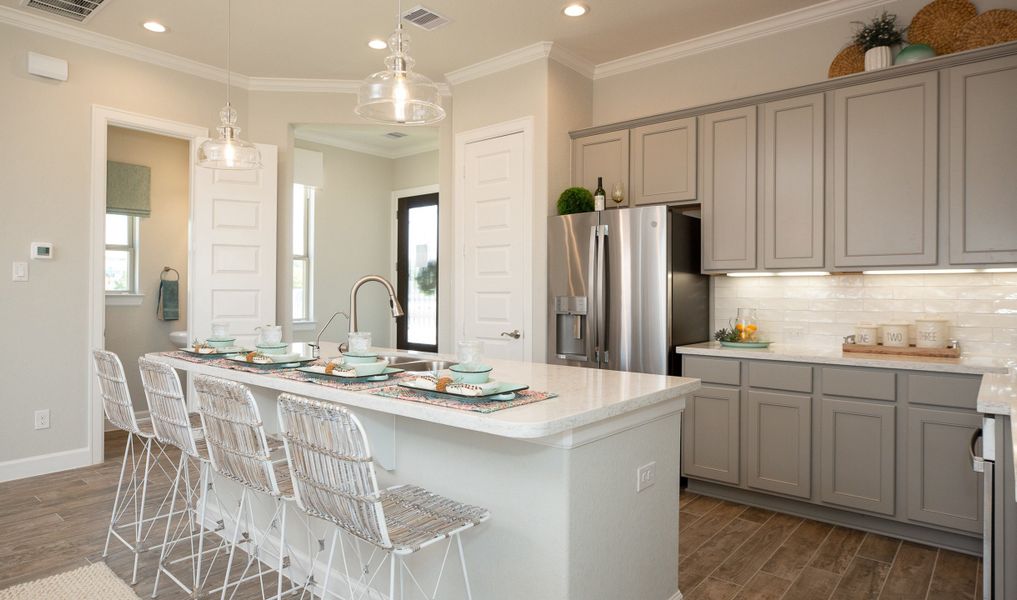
(417, 272)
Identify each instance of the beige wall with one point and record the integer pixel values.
(570, 107)
(417, 170)
(132, 331)
(352, 217)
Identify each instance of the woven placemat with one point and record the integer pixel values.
(401, 393)
(223, 363)
(988, 29)
(339, 384)
(939, 23)
(850, 60)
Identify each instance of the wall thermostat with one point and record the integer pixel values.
(42, 250)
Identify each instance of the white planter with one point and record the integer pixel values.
(878, 58)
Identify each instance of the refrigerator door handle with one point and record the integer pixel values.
(591, 315)
(602, 334)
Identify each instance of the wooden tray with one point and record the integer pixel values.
(905, 351)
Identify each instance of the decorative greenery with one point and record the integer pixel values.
(427, 278)
(575, 200)
(727, 335)
(882, 31)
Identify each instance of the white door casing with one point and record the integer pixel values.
(493, 233)
(233, 248)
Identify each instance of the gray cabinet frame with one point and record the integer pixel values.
(729, 181)
(779, 440)
(711, 443)
(847, 478)
(605, 155)
(665, 171)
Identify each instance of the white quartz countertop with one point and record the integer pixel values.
(974, 365)
(997, 395)
(585, 396)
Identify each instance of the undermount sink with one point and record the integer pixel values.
(417, 363)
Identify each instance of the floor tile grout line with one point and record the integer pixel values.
(812, 556)
(738, 547)
(769, 556)
(896, 553)
(935, 564)
(704, 542)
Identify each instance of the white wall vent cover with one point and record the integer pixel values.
(425, 18)
(78, 10)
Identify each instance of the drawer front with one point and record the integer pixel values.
(780, 376)
(713, 370)
(956, 391)
(859, 383)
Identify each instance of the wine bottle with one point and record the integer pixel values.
(599, 196)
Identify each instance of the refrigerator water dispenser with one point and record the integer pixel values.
(570, 327)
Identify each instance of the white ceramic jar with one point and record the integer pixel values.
(866, 334)
(895, 335)
(931, 333)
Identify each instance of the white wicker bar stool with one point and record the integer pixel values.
(240, 451)
(131, 500)
(174, 426)
(334, 479)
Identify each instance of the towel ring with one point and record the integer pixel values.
(162, 276)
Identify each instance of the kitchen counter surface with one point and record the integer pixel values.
(585, 396)
(997, 395)
(974, 365)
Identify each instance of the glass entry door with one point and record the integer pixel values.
(417, 271)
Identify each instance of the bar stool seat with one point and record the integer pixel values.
(194, 419)
(417, 518)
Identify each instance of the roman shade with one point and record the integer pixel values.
(308, 168)
(128, 189)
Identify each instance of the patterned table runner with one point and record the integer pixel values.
(523, 397)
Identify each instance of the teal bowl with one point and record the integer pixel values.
(359, 359)
(477, 374)
(913, 53)
(221, 343)
(273, 348)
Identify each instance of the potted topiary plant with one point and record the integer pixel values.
(575, 200)
(877, 38)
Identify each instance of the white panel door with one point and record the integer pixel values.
(233, 246)
(495, 284)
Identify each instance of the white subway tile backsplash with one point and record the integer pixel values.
(981, 307)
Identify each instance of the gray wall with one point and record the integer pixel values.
(413, 171)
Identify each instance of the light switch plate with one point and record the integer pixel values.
(19, 271)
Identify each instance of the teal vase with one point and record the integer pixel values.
(914, 53)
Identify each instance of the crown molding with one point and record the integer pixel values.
(499, 63)
(573, 61)
(325, 139)
(287, 84)
(735, 35)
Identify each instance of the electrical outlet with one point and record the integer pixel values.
(42, 419)
(646, 476)
(794, 333)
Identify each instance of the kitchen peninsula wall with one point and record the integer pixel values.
(981, 307)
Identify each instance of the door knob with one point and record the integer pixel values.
(514, 334)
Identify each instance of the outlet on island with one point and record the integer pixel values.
(646, 476)
(42, 419)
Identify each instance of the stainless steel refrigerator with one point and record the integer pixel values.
(625, 288)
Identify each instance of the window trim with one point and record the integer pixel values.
(133, 249)
(307, 257)
(404, 204)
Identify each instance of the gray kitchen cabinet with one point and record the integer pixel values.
(857, 448)
(983, 154)
(604, 155)
(711, 434)
(885, 159)
(663, 165)
(779, 428)
(793, 197)
(729, 190)
(942, 488)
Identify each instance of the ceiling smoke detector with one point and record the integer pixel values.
(425, 18)
(76, 10)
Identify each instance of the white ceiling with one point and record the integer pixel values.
(327, 39)
(371, 139)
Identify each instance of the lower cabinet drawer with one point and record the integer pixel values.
(957, 391)
(711, 434)
(858, 455)
(855, 382)
(779, 435)
(726, 371)
(780, 376)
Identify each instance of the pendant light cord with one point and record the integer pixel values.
(229, 19)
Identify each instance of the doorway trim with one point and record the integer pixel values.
(527, 127)
(104, 117)
(393, 236)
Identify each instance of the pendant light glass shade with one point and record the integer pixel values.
(228, 151)
(397, 95)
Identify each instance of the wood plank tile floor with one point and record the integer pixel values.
(731, 551)
(57, 522)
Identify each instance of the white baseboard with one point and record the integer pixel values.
(46, 463)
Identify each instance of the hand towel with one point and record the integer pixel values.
(168, 307)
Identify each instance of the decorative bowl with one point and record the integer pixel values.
(220, 342)
(273, 348)
(356, 359)
(372, 368)
(471, 374)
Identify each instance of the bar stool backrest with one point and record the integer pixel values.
(235, 433)
(331, 467)
(167, 406)
(116, 397)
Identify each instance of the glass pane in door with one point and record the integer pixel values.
(422, 270)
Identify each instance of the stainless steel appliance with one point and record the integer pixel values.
(624, 288)
(999, 517)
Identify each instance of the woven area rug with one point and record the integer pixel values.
(94, 582)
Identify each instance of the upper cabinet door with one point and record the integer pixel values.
(604, 155)
(793, 168)
(663, 166)
(729, 190)
(983, 162)
(885, 172)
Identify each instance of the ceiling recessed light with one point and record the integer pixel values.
(154, 26)
(576, 9)
(377, 44)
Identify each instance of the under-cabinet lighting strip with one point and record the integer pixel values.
(880, 272)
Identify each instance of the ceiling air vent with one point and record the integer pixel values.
(425, 18)
(78, 10)
(395, 135)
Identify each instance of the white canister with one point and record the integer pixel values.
(895, 335)
(931, 333)
(866, 334)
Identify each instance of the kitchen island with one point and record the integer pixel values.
(559, 476)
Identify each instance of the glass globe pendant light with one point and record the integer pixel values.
(398, 95)
(228, 151)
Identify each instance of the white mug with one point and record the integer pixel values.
(269, 334)
(220, 329)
